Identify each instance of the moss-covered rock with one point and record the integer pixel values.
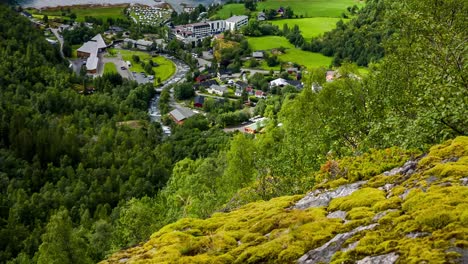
(421, 217)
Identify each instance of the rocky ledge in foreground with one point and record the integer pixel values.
(415, 213)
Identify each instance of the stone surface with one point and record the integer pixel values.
(407, 169)
(462, 252)
(417, 234)
(387, 187)
(320, 198)
(382, 214)
(350, 246)
(382, 259)
(405, 194)
(338, 214)
(326, 251)
(464, 181)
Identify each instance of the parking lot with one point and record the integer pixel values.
(142, 78)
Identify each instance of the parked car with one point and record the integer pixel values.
(123, 68)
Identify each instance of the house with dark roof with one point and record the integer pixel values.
(179, 115)
(222, 74)
(241, 85)
(205, 84)
(26, 14)
(297, 84)
(261, 16)
(199, 101)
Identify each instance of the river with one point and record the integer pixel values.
(51, 3)
(181, 71)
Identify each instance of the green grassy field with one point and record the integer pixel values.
(268, 42)
(310, 27)
(305, 8)
(306, 58)
(103, 12)
(234, 9)
(165, 69)
(312, 8)
(110, 68)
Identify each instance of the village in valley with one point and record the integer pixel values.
(209, 65)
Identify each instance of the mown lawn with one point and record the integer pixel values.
(103, 12)
(312, 8)
(268, 42)
(310, 27)
(231, 9)
(165, 69)
(110, 68)
(306, 58)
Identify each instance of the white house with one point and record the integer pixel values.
(216, 89)
(279, 82)
(236, 22)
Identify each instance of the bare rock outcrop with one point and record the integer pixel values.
(320, 198)
(326, 251)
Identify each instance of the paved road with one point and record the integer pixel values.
(76, 63)
(60, 39)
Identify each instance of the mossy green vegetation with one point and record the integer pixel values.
(420, 223)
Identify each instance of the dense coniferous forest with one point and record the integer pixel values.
(82, 175)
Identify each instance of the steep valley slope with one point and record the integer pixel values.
(416, 212)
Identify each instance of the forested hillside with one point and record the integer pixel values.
(84, 174)
(69, 163)
(413, 98)
(358, 41)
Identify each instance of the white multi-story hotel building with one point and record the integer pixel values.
(236, 22)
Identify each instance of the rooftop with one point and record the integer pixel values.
(236, 19)
(92, 62)
(181, 113)
(143, 42)
(99, 41)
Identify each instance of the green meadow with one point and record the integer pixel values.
(231, 9)
(312, 8)
(308, 8)
(164, 71)
(310, 27)
(110, 68)
(268, 42)
(292, 54)
(306, 58)
(103, 12)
